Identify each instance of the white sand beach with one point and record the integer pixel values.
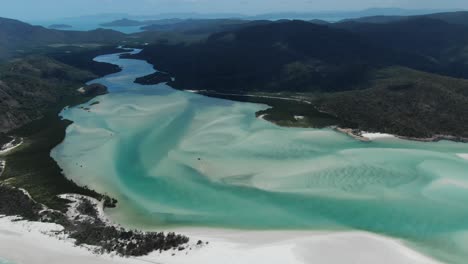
(10, 146)
(26, 242)
(229, 247)
(262, 117)
(2, 166)
(373, 136)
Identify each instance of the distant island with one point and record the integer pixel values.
(123, 23)
(60, 26)
(202, 26)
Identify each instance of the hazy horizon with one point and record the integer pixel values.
(56, 9)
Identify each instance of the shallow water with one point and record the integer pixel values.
(4, 261)
(175, 158)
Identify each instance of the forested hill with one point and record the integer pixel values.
(455, 18)
(31, 86)
(381, 77)
(291, 55)
(41, 69)
(17, 37)
(439, 41)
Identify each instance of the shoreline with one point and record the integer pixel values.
(2, 166)
(436, 138)
(357, 134)
(8, 147)
(363, 135)
(41, 243)
(5, 149)
(354, 133)
(31, 167)
(208, 93)
(60, 204)
(36, 242)
(84, 225)
(298, 247)
(368, 136)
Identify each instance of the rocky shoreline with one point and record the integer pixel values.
(354, 133)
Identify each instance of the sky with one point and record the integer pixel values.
(52, 9)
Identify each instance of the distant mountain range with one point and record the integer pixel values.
(127, 20)
(340, 15)
(323, 15)
(193, 23)
(17, 37)
(459, 18)
(132, 23)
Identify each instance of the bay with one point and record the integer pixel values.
(179, 159)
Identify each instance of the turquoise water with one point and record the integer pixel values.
(175, 158)
(4, 261)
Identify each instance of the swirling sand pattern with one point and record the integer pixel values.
(177, 158)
